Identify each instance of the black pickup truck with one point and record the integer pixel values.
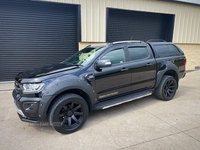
(99, 76)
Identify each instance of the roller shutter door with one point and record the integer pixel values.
(33, 34)
(136, 25)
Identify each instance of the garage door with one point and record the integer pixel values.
(126, 25)
(33, 34)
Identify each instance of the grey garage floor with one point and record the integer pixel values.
(145, 124)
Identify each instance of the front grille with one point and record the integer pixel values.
(16, 95)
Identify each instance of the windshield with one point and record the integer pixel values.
(84, 56)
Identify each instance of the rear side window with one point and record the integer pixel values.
(137, 53)
(172, 50)
(166, 50)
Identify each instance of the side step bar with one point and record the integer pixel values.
(121, 100)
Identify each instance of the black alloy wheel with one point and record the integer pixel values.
(68, 114)
(167, 88)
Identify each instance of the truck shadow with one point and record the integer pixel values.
(96, 116)
(126, 108)
(183, 90)
(44, 127)
(134, 106)
(130, 107)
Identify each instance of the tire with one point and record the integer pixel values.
(167, 88)
(68, 113)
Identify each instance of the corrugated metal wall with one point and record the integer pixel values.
(93, 17)
(31, 36)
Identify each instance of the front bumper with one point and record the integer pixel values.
(30, 109)
(19, 111)
(24, 118)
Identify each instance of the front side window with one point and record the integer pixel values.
(137, 53)
(115, 56)
(84, 56)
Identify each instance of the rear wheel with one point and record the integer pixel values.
(68, 113)
(167, 88)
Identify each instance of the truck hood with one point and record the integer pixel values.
(46, 70)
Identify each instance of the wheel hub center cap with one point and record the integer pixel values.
(69, 113)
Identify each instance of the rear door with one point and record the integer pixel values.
(142, 66)
(116, 79)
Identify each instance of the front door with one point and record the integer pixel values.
(116, 79)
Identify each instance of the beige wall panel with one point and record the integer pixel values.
(75, 1)
(93, 17)
(82, 45)
(192, 53)
(85, 44)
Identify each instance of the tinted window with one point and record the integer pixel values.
(161, 50)
(166, 50)
(172, 50)
(137, 53)
(116, 56)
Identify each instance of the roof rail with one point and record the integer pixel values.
(120, 42)
(156, 40)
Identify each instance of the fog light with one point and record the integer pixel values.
(30, 107)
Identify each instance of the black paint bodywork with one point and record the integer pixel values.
(96, 85)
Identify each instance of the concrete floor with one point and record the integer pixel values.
(145, 124)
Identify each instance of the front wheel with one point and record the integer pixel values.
(68, 113)
(167, 88)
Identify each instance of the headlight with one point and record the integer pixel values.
(33, 87)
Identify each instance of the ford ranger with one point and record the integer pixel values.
(98, 77)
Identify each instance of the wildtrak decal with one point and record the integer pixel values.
(107, 95)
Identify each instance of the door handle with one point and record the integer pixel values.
(124, 69)
(148, 64)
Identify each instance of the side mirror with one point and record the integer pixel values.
(103, 63)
